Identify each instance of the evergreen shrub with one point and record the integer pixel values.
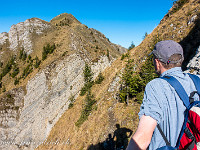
(87, 108)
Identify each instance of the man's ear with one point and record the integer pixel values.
(156, 60)
(157, 63)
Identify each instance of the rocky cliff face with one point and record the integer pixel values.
(21, 34)
(29, 112)
(28, 121)
(11, 105)
(3, 38)
(47, 97)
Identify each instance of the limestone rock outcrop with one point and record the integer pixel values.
(21, 34)
(3, 38)
(44, 100)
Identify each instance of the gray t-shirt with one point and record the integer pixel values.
(162, 103)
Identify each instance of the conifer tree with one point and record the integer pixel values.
(88, 78)
(132, 46)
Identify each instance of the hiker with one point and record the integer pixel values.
(109, 143)
(161, 104)
(121, 135)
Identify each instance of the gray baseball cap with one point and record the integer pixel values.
(164, 49)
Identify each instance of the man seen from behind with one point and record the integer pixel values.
(161, 104)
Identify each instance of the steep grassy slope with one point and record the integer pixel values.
(180, 24)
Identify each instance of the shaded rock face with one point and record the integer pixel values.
(20, 35)
(194, 64)
(192, 41)
(36, 109)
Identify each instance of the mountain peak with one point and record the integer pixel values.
(64, 19)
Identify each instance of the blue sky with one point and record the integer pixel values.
(122, 21)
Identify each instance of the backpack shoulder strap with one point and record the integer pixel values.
(196, 81)
(163, 135)
(183, 96)
(179, 89)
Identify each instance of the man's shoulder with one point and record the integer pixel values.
(156, 86)
(198, 75)
(156, 82)
(159, 83)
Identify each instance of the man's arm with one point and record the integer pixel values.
(142, 137)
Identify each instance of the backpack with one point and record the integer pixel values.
(190, 132)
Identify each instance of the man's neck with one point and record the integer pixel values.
(162, 70)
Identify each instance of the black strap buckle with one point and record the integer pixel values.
(189, 134)
(192, 95)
